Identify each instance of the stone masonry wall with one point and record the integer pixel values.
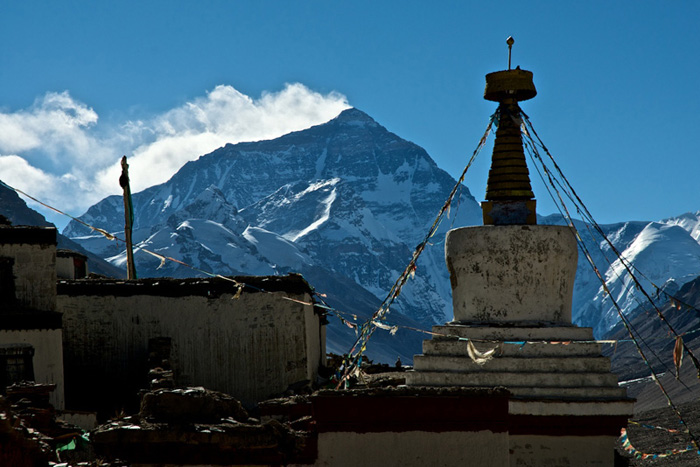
(251, 347)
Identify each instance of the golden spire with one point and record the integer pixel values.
(509, 196)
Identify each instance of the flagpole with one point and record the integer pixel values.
(129, 219)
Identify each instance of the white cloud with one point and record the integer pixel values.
(156, 162)
(18, 173)
(223, 116)
(56, 122)
(60, 152)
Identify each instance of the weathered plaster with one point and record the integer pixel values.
(413, 448)
(538, 451)
(512, 273)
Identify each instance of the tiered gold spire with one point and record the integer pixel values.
(509, 196)
(509, 178)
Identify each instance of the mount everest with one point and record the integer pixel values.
(345, 203)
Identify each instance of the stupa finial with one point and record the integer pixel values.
(509, 196)
(510, 41)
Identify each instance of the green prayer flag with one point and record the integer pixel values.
(70, 446)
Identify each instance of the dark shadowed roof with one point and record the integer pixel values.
(27, 235)
(168, 287)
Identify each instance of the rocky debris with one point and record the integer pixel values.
(30, 403)
(20, 446)
(300, 388)
(190, 405)
(295, 412)
(285, 409)
(385, 379)
(93, 463)
(160, 374)
(160, 378)
(227, 441)
(198, 426)
(34, 418)
(373, 375)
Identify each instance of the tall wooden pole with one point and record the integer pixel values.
(129, 219)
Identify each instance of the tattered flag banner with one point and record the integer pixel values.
(478, 357)
(352, 326)
(160, 257)
(106, 234)
(392, 329)
(678, 355)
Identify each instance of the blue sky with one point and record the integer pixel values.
(82, 83)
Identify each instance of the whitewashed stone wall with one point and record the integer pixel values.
(31, 318)
(251, 347)
(512, 273)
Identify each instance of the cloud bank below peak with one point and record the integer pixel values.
(57, 150)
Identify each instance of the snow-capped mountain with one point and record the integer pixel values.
(344, 203)
(689, 221)
(663, 254)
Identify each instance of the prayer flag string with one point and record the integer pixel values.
(627, 446)
(655, 427)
